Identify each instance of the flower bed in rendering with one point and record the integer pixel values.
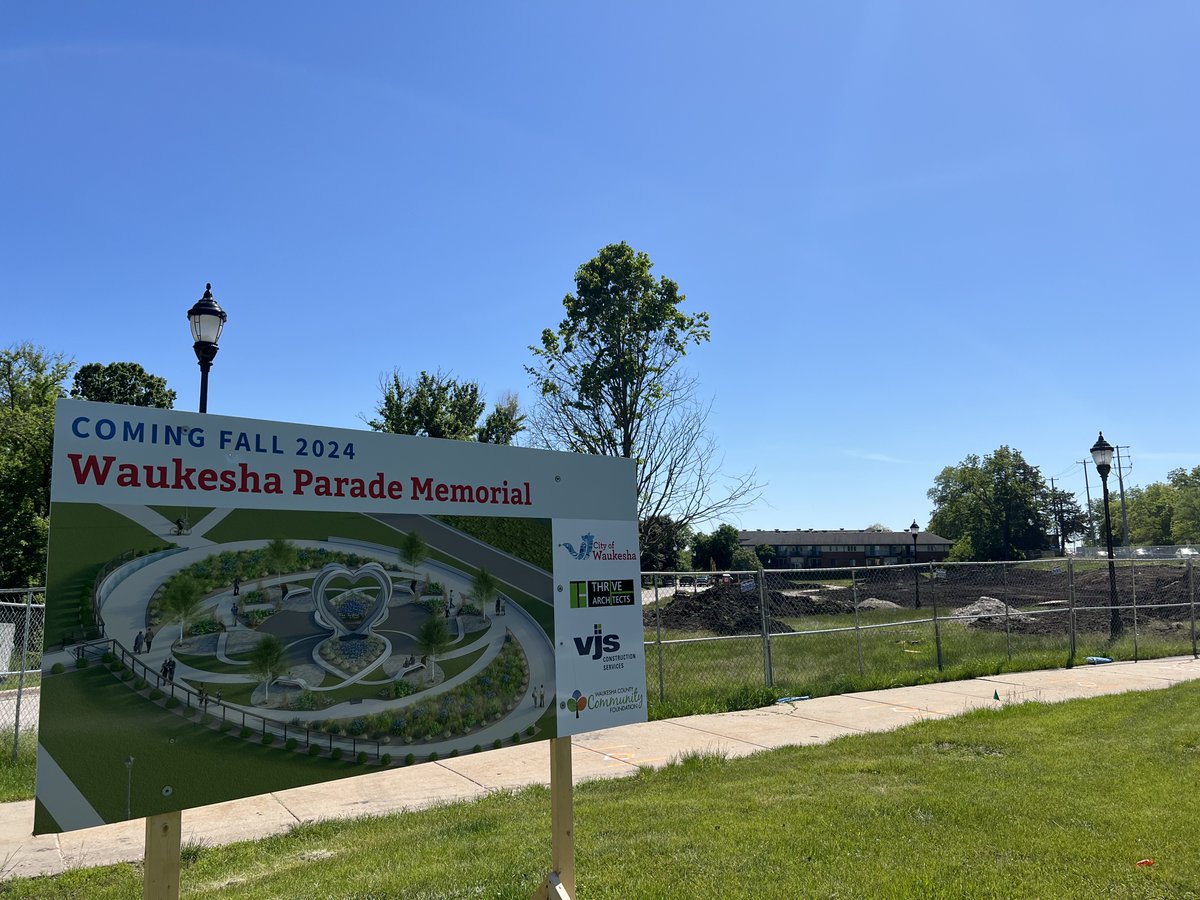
(351, 653)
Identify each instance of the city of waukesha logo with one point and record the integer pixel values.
(597, 643)
(601, 550)
(585, 546)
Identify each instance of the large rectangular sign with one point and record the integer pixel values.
(239, 606)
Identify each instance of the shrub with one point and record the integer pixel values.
(362, 757)
(336, 754)
(530, 730)
(268, 739)
(313, 749)
(497, 744)
(126, 674)
(291, 744)
(516, 737)
(190, 711)
(108, 657)
(454, 753)
(433, 756)
(172, 702)
(140, 684)
(386, 759)
(478, 748)
(156, 694)
(81, 662)
(409, 759)
(245, 732)
(57, 669)
(225, 726)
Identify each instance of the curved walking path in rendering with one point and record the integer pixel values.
(609, 753)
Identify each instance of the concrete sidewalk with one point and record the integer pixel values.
(610, 753)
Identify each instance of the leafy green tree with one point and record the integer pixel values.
(1067, 515)
(484, 589)
(609, 384)
(182, 601)
(279, 554)
(1150, 512)
(31, 380)
(414, 551)
(1185, 521)
(721, 550)
(503, 423)
(765, 554)
(993, 509)
(441, 406)
(664, 545)
(433, 637)
(268, 660)
(122, 382)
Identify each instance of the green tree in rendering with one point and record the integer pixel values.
(280, 555)
(413, 552)
(268, 660)
(122, 382)
(484, 589)
(433, 637)
(182, 601)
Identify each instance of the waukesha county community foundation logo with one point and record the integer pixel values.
(599, 550)
(615, 700)
(602, 594)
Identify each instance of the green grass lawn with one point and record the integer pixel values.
(16, 781)
(728, 674)
(1030, 801)
(82, 539)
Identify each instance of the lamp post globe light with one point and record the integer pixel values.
(207, 319)
(1102, 454)
(914, 529)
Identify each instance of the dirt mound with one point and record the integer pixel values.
(809, 603)
(876, 603)
(722, 609)
(988, 612)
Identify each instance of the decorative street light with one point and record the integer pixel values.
(207, 319)
(914, 529)
(1102, 454)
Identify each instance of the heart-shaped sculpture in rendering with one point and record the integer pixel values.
(351, 610)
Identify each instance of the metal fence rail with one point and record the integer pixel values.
(22, 625)
(712, 637)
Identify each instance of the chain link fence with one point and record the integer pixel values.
(736, 639)
(22, 625)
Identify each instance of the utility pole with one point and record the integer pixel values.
(1121, 483)
(1060, 543)
(1087, 490)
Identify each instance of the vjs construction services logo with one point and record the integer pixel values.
(598, 594)
(597, 643)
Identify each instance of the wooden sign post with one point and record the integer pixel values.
(160, 871)
(560, 883)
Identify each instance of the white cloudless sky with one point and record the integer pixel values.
(921, 230)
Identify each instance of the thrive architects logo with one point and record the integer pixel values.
(599, 550)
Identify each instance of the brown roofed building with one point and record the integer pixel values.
(839, 549)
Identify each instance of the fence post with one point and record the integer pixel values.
(1192, 605)
(1071, 607)
(662, 694)
(24, 666)
(768, 669)
(1133, 591)
(1007, 629)
(937, 629)
(857, 625)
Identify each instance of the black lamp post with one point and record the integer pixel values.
(914, 529)
(207, 320)
(1102, 454)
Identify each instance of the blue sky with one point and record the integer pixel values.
(921, 230)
